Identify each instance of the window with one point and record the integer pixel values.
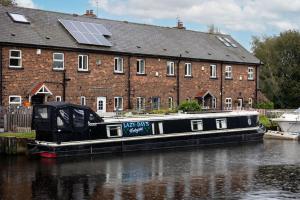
(83, 63)
(58, 61)
(82, 100)
(41, 113)
(197, 125)
(214, 103)
(58, 98)
(140, 103)
(188, 69)
(155, 103)
(250, 73)
(114, 130)
(140, 66)
(213, 71)
(15, 100)
(228, 103)
(170, 68)
(228, 72)
(170, 103)
(221, 123)
(78, 118)
(15, 58)
(63, 118)
(250, 102)
(118, 103)
(118, 68)
(18, 18)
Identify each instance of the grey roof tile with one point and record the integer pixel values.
(152, 40)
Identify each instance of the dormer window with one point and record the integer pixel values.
(18, 18)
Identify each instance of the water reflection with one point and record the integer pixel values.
(252, 171)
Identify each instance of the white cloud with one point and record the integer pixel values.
(26, 3)
(256, 16)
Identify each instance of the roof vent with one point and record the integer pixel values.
(138, 47)
(12, 34)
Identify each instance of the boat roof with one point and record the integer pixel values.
(179, 116)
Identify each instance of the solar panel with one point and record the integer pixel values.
(18, 18)
(87, 33)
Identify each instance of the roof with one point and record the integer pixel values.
(137, 39)
(203, 93)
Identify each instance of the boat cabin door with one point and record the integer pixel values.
(101, 105)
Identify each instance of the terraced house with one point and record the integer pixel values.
(116, 65)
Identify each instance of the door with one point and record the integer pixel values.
(240, 104)
(101, 104)
(37, 99)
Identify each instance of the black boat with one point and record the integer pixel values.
(64, 129)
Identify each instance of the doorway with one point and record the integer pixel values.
(101, 104)
(239, 103)
(37, 99)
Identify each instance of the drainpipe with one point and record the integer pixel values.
(64, 84)
(221, 86)
(1, 78)
(129, 83)
(177, 80)
(256, 82)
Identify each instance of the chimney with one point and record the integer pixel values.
(89, 13)
(180, 25)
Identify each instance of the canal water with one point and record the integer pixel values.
(269, 170)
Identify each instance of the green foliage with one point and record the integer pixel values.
(280, 74)
(264, 120)
(29, 135)
(265, 105)
(8, 2)
(189, 106)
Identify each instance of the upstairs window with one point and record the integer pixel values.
(118, 67)
(15, 100)
(83, 63)
(221, 123)
(228, 72)
(250, 73)
(140, 103)
(118, 103)
(188, 69)
(114, 130)
(58, 61)
(170, 68)
(197, 125)
(140, 66)
(228, 103)
(15, 59)
(213, 71)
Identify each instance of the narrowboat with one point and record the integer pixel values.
(64, 129)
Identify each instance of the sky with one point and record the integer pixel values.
(242, 19)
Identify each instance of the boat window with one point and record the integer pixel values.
(41, 113)
(197, 125)
(221, 123)
(161, 128)
(114, 130)
(63, 118)
(78, 118)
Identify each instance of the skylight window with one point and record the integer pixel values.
(227, 42)
(18, 18)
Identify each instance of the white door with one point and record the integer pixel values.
(101, 104)
(240, 104)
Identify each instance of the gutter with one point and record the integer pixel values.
(1, 76)
(129, 82)
(177, 80)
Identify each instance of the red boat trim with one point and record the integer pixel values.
(48, 155)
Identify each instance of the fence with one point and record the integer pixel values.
(16, 119)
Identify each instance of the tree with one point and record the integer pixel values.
(8, 2)
(280, 74)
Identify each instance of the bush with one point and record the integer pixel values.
(264, 120)
(265, 105)
(189, 106)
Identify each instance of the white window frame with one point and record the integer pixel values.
(213, 71)
(83, 100)
(119, 130)
(140, 103)
(228, 103)
(141, 69)
(170, 68)
(188, 69)
(199, 125)
(58, 99)
(13, 57)
(118, 65)
(250, 102)
(87, 63)
(15, 103)
(221, 123)
(228, 72)
(59, 60)
(117, 105)
(250, 73)
(170, 103)
(214, 103)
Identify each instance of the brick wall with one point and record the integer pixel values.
(101, 80)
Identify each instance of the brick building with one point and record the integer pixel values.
(109, 65)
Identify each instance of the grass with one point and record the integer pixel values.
(29, 135)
